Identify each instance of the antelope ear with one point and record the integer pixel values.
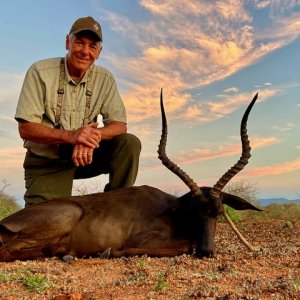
(237, 202)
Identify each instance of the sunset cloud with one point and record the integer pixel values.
(274, 170)
(11, 158)
(210, 110)
(202, 154)
(208, 42)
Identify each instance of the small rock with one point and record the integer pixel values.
(68, 258)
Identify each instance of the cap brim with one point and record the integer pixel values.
(88, 29)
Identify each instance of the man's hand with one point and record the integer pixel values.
(88, 135)
(82, 155)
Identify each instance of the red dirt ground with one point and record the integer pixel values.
(236, 273)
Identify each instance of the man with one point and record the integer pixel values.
(57, 111)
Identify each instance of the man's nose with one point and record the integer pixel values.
(85, 49)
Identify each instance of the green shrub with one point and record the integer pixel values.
(36, 282)
(161, 282)
(246, 190)
(234, 215)
(285, 211)
(8, 205)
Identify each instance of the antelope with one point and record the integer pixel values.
(132, 221)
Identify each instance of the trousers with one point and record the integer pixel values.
(47, 179)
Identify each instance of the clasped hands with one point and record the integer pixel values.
(86, 139)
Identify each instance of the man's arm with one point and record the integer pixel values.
(85, 139)
(112, 129)
(88, 135)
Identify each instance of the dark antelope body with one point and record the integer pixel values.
(126, 222)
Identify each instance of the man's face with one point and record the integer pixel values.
(84, 49)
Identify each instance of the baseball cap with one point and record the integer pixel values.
(87, 23)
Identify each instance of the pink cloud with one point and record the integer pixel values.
(201, 154)
(276, 169)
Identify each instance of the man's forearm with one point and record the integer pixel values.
(88, 135)
(42, 134)
(112, 129)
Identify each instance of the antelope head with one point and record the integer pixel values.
(207, 202)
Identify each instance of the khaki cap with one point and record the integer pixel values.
(87, 23)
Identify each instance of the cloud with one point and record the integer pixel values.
(197, 54)
(10, 87)
(274, 170)
(207, 35)
(7, 119)
(11, 158)
(209, 41)
(185, 108)
(210, 110)
(230, 9)
(202, 154)
(262, 4)
(231, 90)
(287, 127)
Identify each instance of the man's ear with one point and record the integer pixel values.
(99, 51)
(67, 42)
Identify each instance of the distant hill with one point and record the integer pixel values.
(266, 202)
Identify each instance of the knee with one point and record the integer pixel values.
(130, 141)
(134, 142)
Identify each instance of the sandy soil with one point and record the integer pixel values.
(236, 273)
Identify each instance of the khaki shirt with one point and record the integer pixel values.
(38, 100)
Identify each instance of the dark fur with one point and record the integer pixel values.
(133, 221)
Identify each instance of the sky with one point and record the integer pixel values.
(210, 58)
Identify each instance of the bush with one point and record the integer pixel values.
(285, 211)
(8, 205)
(246, 191)
(243, 189)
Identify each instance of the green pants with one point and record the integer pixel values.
(47, 179)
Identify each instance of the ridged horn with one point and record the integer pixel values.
(164, 158)
(242, 162)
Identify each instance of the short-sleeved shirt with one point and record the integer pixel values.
(38, 100)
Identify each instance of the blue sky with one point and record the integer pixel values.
(210, 57)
